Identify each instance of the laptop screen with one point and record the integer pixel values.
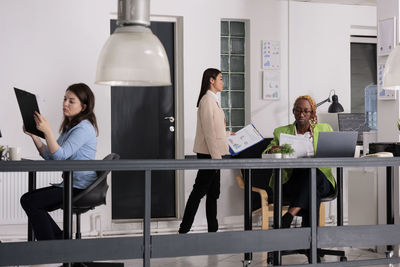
(336, 144)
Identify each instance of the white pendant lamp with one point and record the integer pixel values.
(391, 74)
(133, 55)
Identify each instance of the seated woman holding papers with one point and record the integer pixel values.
(295, 187)
(77, 141)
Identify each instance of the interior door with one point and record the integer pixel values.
(142, 127)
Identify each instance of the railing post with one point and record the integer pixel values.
(31, 187)
(313, 215)
(67, 206)
(389, 202)
(339, 206)
(147, 219)
(277, 210)
(247, 209)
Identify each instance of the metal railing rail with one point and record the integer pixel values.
(150, 246)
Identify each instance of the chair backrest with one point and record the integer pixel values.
(95, 194)
(331, 196)
(259, 177)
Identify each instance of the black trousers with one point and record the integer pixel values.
(207, 183)
(296, 192)
(37, 205)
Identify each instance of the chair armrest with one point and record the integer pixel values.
(262, 192)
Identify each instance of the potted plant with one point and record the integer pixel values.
(276, 152)
(287, 151)
(2, 148)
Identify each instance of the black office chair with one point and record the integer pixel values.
(323, 252)
(260, 179)
(91, 197)
(320, 252)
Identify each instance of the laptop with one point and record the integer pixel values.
(336, 144)
(28, 105)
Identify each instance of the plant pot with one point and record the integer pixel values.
(276, 155)
(287, 156)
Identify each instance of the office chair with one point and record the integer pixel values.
(323, 252)
(266, 208)
(260, 182)
(320, 252)
(91, 197)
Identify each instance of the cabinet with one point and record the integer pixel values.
(362, 196)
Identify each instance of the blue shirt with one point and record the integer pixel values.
(78, 143)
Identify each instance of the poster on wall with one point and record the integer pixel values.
(271, 84)
(384, 94)
(386, 36)
(271, 55)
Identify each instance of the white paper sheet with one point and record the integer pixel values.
(244, 138)
(299, 144)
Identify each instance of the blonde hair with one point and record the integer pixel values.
(314, 118)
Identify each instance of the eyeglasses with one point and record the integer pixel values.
(305, 112)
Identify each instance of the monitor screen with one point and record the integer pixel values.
(353, 122)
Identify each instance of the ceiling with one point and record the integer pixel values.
(343, 2)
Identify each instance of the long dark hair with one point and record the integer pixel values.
(205, 82)
(86, 97)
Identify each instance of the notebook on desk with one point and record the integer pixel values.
(28, 105)
(336, 144)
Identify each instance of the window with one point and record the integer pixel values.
(233, 72)
(363, 70)
(363, 78)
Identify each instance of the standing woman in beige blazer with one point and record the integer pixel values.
(210, 143)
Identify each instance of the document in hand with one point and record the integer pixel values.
(28, 105)
(299, 144)
(243, 139)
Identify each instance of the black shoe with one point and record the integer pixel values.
(286, 220)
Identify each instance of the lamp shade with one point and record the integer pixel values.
(335, 107)
(133, 56)
(391, 74)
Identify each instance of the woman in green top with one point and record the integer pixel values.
(296, 189)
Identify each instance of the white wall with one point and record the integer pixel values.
(47, 45)
(388, 113)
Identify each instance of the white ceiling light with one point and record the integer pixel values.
(391, 74)
(133, 55)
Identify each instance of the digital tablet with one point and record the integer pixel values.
(28, 105)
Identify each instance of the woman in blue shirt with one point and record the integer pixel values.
(77, 142)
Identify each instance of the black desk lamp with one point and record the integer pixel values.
(335, 107)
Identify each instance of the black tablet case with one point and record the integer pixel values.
(28, 105)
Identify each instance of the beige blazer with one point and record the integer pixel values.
(210, 131)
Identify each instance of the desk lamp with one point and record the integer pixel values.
(133, 55)
(335, 107)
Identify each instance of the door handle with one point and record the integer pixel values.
(171, 119)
